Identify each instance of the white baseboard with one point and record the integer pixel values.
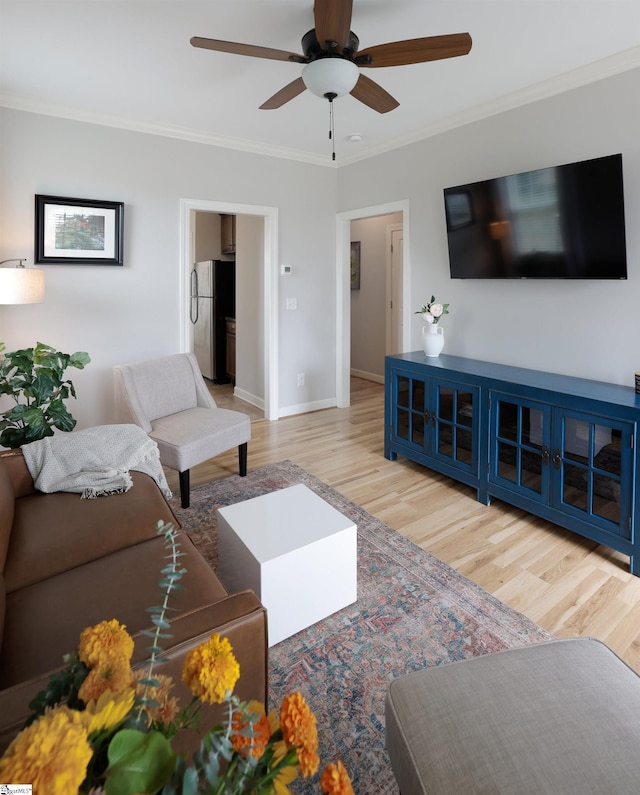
(379, 379)
(256, 401)
(304, 408)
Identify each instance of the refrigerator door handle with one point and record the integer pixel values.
(194, 297)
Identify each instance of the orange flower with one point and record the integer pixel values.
(335, 780)
(210, 670)
(250, 743)
(299, 730)
(168, 707)
(107, 641)
(115, 676)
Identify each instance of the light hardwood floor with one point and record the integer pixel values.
(566, 584)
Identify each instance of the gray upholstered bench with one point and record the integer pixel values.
(559, 717)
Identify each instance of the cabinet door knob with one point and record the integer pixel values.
(546, 455)
(557, 459)
(427, 416)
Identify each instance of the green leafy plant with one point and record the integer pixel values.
(34, 379)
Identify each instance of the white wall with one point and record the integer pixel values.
(584, 328)
(121, 314)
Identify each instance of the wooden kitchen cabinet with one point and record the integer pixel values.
(228, 234)
(231, 349)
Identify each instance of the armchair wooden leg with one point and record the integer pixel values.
(242, 459)
(184, 488)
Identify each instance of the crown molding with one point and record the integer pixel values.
(19, 102)
(576, 78)
(594, 72)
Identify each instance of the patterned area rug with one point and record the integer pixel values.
(413, 611)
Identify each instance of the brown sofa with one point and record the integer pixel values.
(67, 563)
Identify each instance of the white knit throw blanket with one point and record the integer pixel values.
(94, 462)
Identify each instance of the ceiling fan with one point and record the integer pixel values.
(332, 61)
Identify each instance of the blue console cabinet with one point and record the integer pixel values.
(560, 447)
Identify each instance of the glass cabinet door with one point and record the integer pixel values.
(410, 421)
(521, 432)
(437, 418)
(452, 420)
(589, 454)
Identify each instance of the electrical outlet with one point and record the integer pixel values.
(300, 379)
(292, 303)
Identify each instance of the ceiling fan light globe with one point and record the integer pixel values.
(330, 76)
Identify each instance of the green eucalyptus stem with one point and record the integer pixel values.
(172, 574)
(234, 761)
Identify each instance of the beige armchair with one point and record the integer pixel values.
(169, 399)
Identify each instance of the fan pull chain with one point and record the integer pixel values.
(332, 136)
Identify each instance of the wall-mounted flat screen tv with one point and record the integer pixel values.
(564, 222)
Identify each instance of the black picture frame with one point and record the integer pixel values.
(355, 265)
(78, 231)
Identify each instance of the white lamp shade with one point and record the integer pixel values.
(21, 285)
(330, 76)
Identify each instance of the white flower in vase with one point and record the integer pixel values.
(433, 311)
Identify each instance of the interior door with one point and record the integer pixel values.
(394, 288)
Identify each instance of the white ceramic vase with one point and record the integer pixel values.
(432, 339)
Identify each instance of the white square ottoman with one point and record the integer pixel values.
(295, 551)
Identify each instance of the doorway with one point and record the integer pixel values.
(395, 298)
(343, 290)
(268, 283)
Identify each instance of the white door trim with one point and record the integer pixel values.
(270, 276)
(343, 289)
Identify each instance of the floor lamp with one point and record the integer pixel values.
(21, 285)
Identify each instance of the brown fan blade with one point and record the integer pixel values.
(246, 49)
(284, 95)
(401, 53)
(373, 95)
(332, 22)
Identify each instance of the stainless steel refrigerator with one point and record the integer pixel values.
(213, 300)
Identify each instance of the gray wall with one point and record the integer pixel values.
(129, 313)
(583, 328)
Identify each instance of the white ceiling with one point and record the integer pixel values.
(129, 63)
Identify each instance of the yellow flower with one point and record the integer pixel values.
(105, 642)
(52, 754)
(299, 730)
(105, 713)
(114, 676)
(168, 707)
(287, 774)
(210, 670)
(245, 745)
(335, 780)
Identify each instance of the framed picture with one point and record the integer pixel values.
(459, 209)
(78, 231)
(355, 265)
